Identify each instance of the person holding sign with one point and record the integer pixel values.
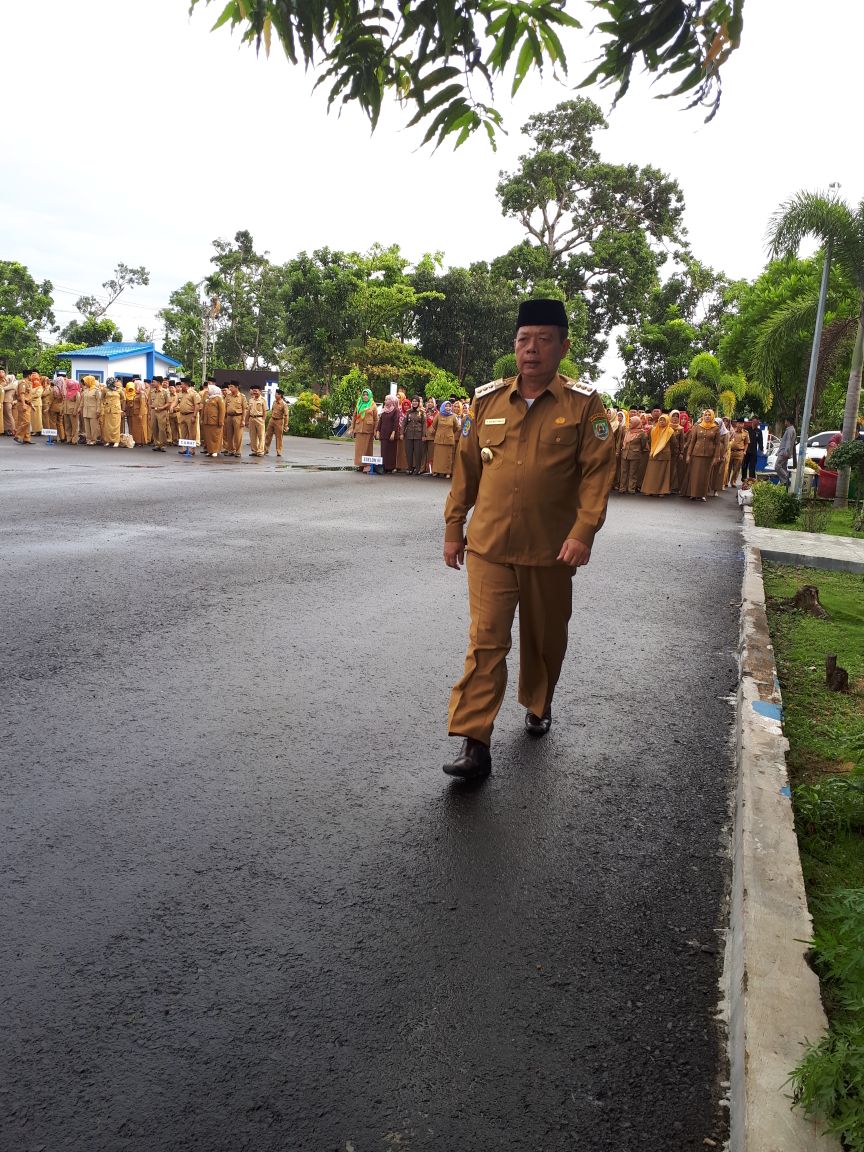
(535, 461)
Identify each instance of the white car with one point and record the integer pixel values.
(817, 449)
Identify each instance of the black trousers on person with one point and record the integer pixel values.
(415, 454)
(748, 468)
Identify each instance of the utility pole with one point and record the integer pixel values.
(814, 365)
(208, 312)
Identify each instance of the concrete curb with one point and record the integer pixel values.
(805, 549)
(773, 996)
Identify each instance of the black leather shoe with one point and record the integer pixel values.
(538, 725)
(473, 762)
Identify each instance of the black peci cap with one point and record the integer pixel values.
(542, 312)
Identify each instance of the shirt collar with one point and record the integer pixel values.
(555, 387)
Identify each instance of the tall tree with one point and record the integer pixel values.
(182, 321)
(470, 324)
(598, 230)
(250, 331)
(831, 219)
(92, 307)
(25, 310)
(436, 57)
(681, 317)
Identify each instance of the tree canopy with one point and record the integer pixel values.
(26, 307)
(441, 61)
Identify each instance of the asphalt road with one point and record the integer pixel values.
(241, 906)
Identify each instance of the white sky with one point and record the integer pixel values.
(131, 132)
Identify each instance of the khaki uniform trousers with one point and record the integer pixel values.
(630, 479)
(187, 426)
(735, 462)
(159, 427)
(22, 424)
(544, 596)
(233, 437)
(274, 428)
(256, 435)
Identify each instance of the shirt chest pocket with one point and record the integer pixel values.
(559, 436)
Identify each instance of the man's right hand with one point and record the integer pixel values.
(454, 554)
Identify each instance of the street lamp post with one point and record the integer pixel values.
(814, 365)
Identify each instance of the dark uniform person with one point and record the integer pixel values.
(535, 462)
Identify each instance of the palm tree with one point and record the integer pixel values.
(706, 385)
(829, 218)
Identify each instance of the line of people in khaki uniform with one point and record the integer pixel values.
(158, 413)
(663, 454)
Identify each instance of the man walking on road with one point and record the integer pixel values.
(785, 452)
(535, 462)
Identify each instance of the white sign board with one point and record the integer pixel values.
(49, 432)
(373, 460)
(188, 443)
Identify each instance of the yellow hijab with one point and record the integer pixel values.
(708, 419)
(661, 434)
(90, 381)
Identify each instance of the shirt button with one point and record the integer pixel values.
(518, 461)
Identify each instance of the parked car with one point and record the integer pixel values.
(817, 448)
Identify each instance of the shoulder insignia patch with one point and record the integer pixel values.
(492, 386)
(576, 386)
(466, 426)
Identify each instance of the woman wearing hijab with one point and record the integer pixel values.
(111, 414)
(401, 451)
(717, 482)
(213, 419)
(616, 427)
(136, 410)
(661, 459)
(704, 448)
(363, 428)
(413, 428)
(679, 449)
(445, 433)
(388, 430)
(90, 405)
(429, 437)
(634, 446)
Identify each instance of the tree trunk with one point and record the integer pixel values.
(850, 412)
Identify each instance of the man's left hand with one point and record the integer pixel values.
(574, 553)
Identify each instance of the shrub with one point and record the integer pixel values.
(773, 505)
(442, 385)
(306, 417)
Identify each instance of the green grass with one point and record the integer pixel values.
(839, 524)
(826, 765)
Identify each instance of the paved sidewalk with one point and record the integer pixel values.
(805, 549)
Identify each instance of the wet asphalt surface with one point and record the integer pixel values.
(241, 906)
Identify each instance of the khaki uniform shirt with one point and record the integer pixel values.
(236, 405)
(279, 413)
(24, 393)
(186, 403)
(160, 400)
(257, 408)
(534, 476)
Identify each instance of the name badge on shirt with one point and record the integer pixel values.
(497, 420)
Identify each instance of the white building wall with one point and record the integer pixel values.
(103, 369)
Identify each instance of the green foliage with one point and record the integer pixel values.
(90, 331)
(669, 38)
(849, 454)
(48, 362)
(829, 1081)
(597, 232)
(434, 58)
(343, 398)
(182, 319)
(768, 333)
(773, 505)
(25, 309)
(442, 385)
(470, 318)
(92, 307)
(815, 515)
(306, 417)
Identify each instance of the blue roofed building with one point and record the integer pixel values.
(120, 359)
